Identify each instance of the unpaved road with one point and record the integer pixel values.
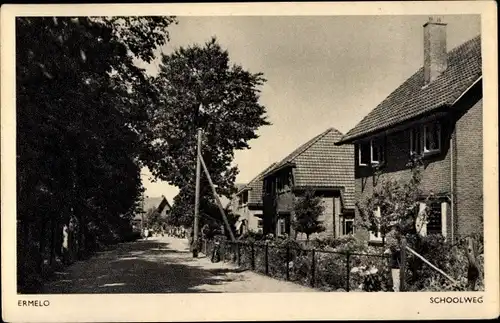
(160, 265)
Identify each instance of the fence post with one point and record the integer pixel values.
(313, 267)
(238, 253)
(253, 256)
(472, 266)
(348, 266)
(402, 266)
(266, 258)
(287, 262)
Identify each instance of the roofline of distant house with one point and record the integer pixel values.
(405, 123)
(275, 170)
(246, 188)
(259, 177)
(317, 188)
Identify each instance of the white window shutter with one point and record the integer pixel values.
(444, 206)
(420, 223)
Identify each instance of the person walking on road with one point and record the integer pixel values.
(146, 234)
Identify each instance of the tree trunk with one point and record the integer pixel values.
(42, 245)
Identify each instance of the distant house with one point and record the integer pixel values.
(160, 204)
(249, 205)
(317, 165)
(234, 201)
(437, 114)
(164, 208)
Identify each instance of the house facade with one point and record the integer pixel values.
(250, 205)
(317, 165)
(437, 115)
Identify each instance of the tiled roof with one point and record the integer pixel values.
(412, 98)
(255, 187)
(239, 186)
(321, 163)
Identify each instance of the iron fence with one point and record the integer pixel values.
(323, 269)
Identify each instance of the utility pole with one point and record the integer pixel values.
(197, 198)
(219, 203)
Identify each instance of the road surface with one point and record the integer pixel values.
(160, 265)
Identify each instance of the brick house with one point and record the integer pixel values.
(249, 205)
(317, 165)
(436, 113)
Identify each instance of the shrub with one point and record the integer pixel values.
(452, 259)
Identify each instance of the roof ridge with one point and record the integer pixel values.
(408, 84)
(318, 138)
(302, 148)
(258, 177)
(308, 145)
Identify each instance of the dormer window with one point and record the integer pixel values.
(244, 198)
(371, 152)
(426, 139)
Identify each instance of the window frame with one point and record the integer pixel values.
(422, 131)
(344, 228)
(422, 227)
(380, 144)
(376, 236)
(426, 127)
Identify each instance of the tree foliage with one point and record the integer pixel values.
(198, 87)
(399, 204)
(182, 212)
(81, 121)
(307, 210)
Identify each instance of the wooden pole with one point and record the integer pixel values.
(219, 204)
(197, 198)
(431, 265)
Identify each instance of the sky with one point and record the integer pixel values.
(321, 71)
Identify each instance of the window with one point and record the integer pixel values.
(260, 223)
(283, 224)
(426, 139)
(348, 227)
(415, 141)
(281, 227)
(244, 198)
(376, 236)
(371, 152)
(432, 220)
(432, 137)
(364, 154)
(283, 181)
(269, 186)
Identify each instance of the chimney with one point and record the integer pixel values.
(434, 49)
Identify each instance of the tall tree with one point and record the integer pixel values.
(198, 87)
(81, 117)
(307, 210)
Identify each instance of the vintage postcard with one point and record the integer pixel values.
(249, 161)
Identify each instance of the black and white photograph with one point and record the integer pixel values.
(174, 154)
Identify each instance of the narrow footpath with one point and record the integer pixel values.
(160, 265)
